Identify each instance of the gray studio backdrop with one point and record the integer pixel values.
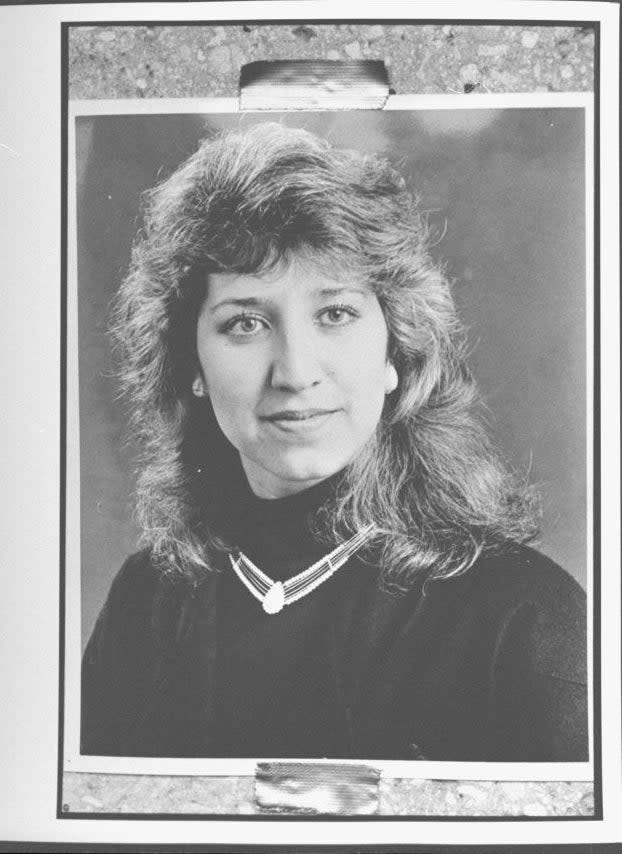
(504, 190)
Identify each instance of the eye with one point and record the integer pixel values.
(338, 315)
(244, 325)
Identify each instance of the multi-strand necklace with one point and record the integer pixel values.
(274, 595)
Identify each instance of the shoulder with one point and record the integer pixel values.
(526, 602)
(144, 601)
(514, 576)
(128, 606)
(137, 578)
(133, 589)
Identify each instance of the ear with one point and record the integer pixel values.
(198, 388)
(391, 378)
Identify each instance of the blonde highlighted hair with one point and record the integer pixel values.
(430, 481)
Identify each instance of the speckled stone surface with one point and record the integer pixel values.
(205, 61)
(137, 794)
(485, 798)
(194, 61)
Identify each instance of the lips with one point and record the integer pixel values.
(297, 414)
(299, 422)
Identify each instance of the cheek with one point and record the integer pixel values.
(232, 411)
(367, 359)
(364, 379)
(232, 386)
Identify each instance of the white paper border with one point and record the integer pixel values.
(29, 355)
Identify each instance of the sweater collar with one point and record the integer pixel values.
(280, 527)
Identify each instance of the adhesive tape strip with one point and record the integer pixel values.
(314, 85)
(329, 789)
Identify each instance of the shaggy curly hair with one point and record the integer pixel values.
(429, 480)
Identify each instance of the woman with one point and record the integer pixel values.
(335, 560)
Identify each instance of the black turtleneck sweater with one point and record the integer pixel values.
(486, 666)
(276, 679)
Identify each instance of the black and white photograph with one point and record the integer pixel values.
(312, 372)
(333, 435)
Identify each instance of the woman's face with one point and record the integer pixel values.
(295, 365)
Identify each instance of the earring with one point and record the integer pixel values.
(198, 389)
(391, 378)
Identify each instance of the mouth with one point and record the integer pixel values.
(297, 414)
(299, 420)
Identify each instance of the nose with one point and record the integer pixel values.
(295, 363)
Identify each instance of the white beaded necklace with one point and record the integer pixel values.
(274, 595)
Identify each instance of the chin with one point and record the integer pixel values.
(310, 474)
(307, 468)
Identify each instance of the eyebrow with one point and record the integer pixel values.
(253, 302)
(244, 302)
(335, 292)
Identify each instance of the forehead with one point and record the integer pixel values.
(311, 276)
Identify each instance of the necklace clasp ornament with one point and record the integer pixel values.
(274, 599)
(274, 595)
